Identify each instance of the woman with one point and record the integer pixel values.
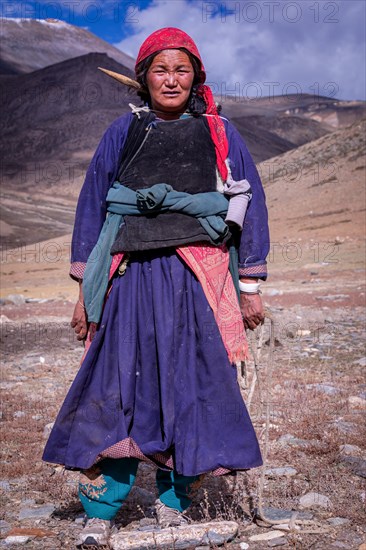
(158, 382)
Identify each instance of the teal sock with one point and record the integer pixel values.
(174, 489)
(105, 486)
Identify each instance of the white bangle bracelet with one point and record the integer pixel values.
(249, 288)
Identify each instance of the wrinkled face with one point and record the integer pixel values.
(169, 80)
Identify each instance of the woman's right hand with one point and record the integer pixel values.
(79, 320)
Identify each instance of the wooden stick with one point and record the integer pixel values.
(121, 78)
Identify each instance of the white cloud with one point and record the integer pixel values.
(278, 42)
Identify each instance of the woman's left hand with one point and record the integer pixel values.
(252, 310)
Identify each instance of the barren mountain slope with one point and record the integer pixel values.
(318, 190)
(31, 44)
(329, 112)
(274, 125)
(316, 200)
(60, 111)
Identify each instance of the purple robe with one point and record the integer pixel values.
(157, 372)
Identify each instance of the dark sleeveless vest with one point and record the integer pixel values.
(180, 153)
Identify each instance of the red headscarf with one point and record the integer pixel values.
(171, 38)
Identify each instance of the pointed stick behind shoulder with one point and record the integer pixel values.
(121, 78)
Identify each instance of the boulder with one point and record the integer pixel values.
(187, 536)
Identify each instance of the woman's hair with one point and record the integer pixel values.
(196, 104)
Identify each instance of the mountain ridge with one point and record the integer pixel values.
(31, 44)
(62, 111)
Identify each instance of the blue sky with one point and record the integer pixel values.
(251, 48)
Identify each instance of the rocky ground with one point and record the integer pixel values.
(316, 399)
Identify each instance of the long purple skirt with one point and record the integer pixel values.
(157, 374)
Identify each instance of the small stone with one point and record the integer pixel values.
(314, 500)
(361, 362)
(4, 527)
(357, 402)
(44, 511)
(4, 319)
(79, 520)
(349, 449)
(344, 426)
(47, 429)
(279, 514)
(278, 472)
(42, 360)
(4, 485)
(280, 541)
(17, 539)
(244, 546)
(274, 292)
(336, 522)
(303, 332)
(16, 299)
(202, 548)
(289, 439)
(19, 414)
(327, 389)
(362, 547)
(358, 465)
(267, 536)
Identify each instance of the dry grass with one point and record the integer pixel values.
(296, 408)
(22, 442)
